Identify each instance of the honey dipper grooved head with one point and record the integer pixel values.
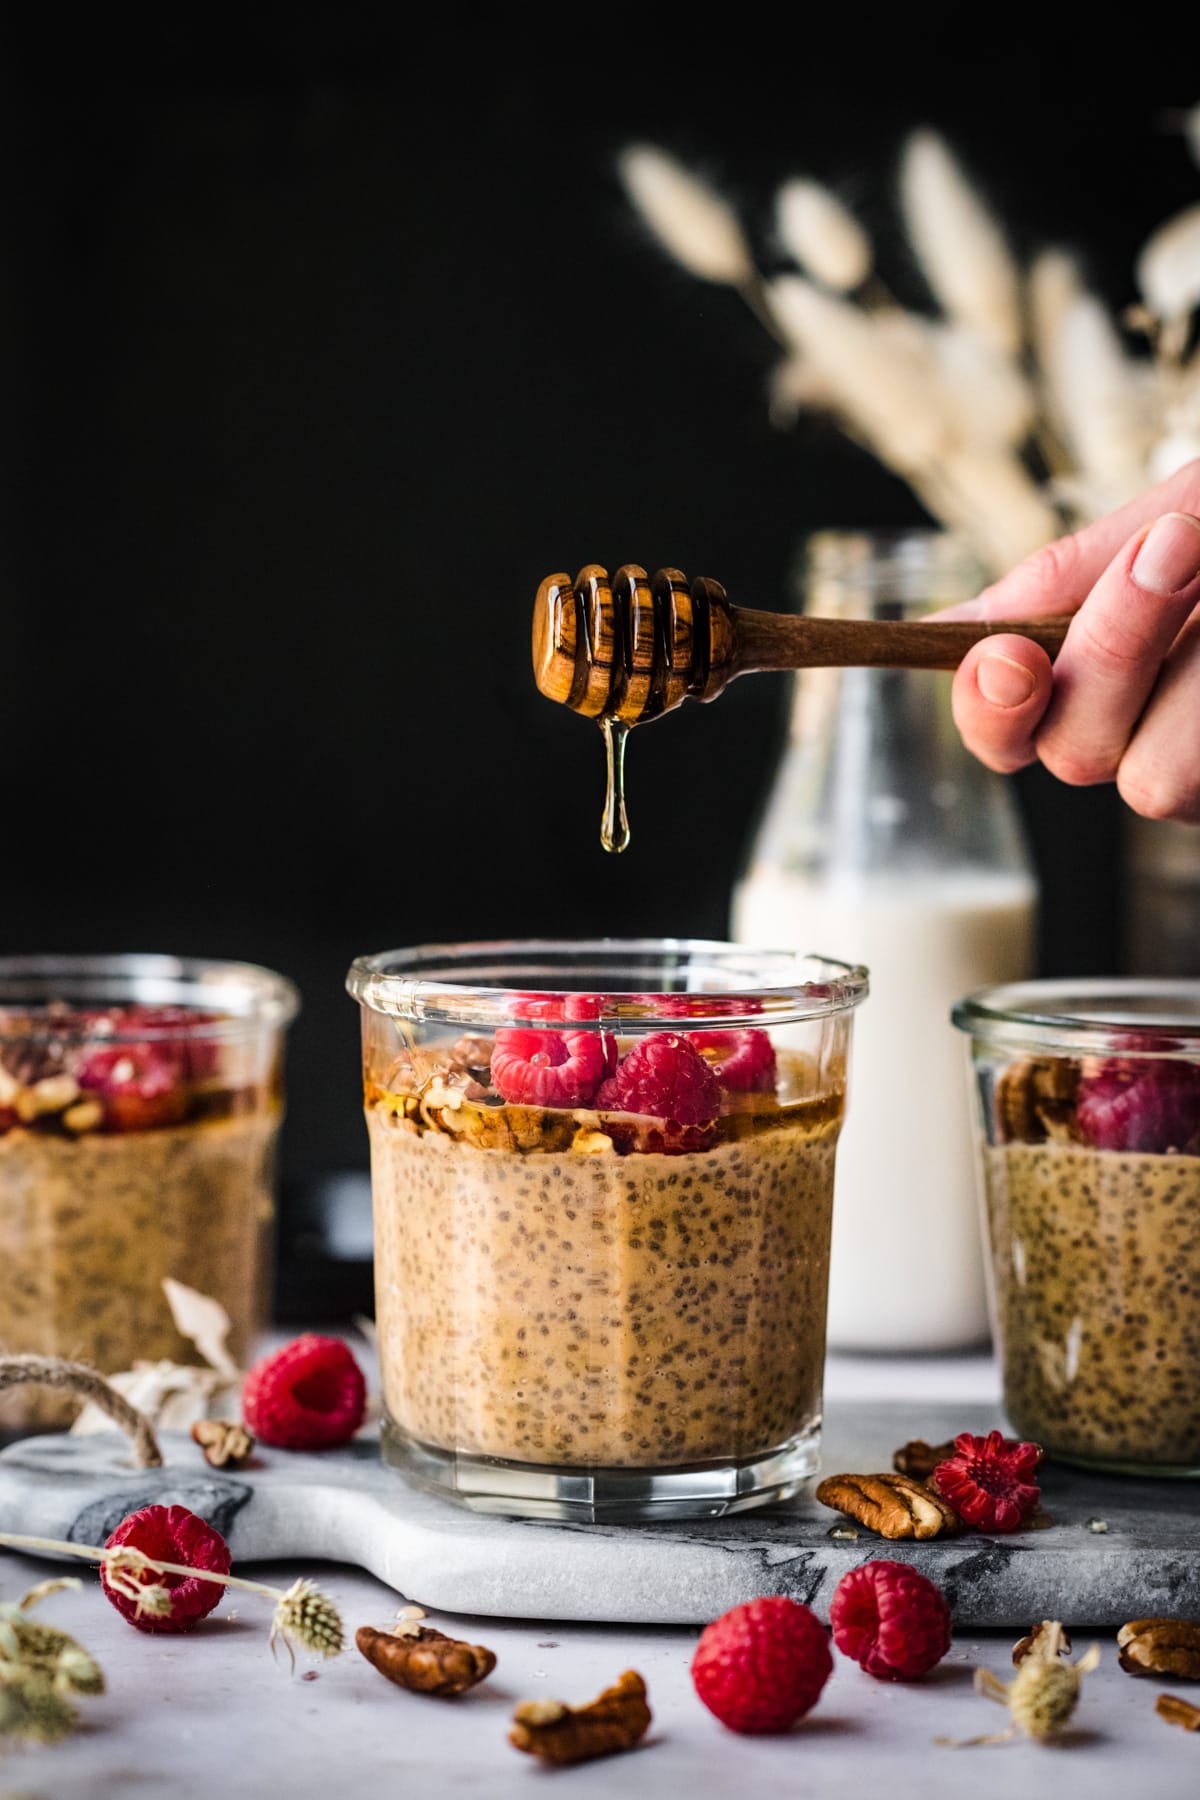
(632, 647)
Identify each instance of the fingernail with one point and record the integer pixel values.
(1004, 681)
(1170, 554)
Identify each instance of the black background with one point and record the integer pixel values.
(324, 339)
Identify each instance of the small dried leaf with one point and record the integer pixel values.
(204, 1322)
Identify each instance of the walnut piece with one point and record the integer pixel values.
(225, 1445)
(424, 1660)
(1160, 1647)
(557, 1733)
(892, 1505)
(53, 1094)
(1178, 1712)
(919, 1459)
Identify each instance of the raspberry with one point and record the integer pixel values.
(141, 1085)
(310, 1395)
(176, 1535)
(200, 1056)
(665, 1077)
(987, 1481)
(743, 1060)
(761, 1666)
(551, 1068)
(891, 1619)
(1134, 1105)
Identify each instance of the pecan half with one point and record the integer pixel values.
(892, 1505)
(225, 1444)
(919, 1459)
(1035, 1099)
(1178, 1712)
(1160, 1647)
(424, 1660)
(557, 1733)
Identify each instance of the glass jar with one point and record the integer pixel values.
(602, 1178)
(140, 1101)
(881, 832)
(1088, 1116)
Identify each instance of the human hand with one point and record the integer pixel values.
(1122, 700)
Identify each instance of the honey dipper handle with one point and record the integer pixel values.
(765, 640)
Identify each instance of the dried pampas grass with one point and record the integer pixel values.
(698, 228)
(958, 244)
(822, 235)
(1014, 412)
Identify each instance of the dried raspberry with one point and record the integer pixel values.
(987, 1481)
(141, 1085)
(551, 1068)
(743, 1060)
(665, 1077)
(1135, 1105)
(310, 1395)
(176, 1535)
(891, 1619)
(761, 1666)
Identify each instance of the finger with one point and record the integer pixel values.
(1059, 577)
(1001, 691)
(1116, 646)
(1159, 775)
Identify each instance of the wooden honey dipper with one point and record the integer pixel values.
(637, 646)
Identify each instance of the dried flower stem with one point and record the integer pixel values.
(302, 1611)
(79, 1378)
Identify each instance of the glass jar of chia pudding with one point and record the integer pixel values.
(140, 1102)
(1088, 1114)
(603, 1177)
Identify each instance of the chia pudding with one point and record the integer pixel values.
(593, 1299)
(602, 1220)
(137, 1141)
(1091, 1176)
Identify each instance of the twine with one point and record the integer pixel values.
(54, 1372)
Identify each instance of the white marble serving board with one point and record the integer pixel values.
(346, 1506)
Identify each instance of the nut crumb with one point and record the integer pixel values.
(1178, 1712)
(1097, 1525)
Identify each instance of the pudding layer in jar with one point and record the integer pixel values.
(137, 1141)
(582, 1286)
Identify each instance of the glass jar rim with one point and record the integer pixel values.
(250, 997)
(460, 982)
(1119, 1015)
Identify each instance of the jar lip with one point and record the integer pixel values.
(1129, 1015)
(250, 997)
(477, 983)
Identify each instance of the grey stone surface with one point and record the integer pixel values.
(345, 1506)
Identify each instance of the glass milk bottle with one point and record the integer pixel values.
(885, 841)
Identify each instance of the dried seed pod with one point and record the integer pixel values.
(424, 1660)
(892, 1505)
(1178, 1712)
(1160, 1647)
(558, 1733)
(918, 1460)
